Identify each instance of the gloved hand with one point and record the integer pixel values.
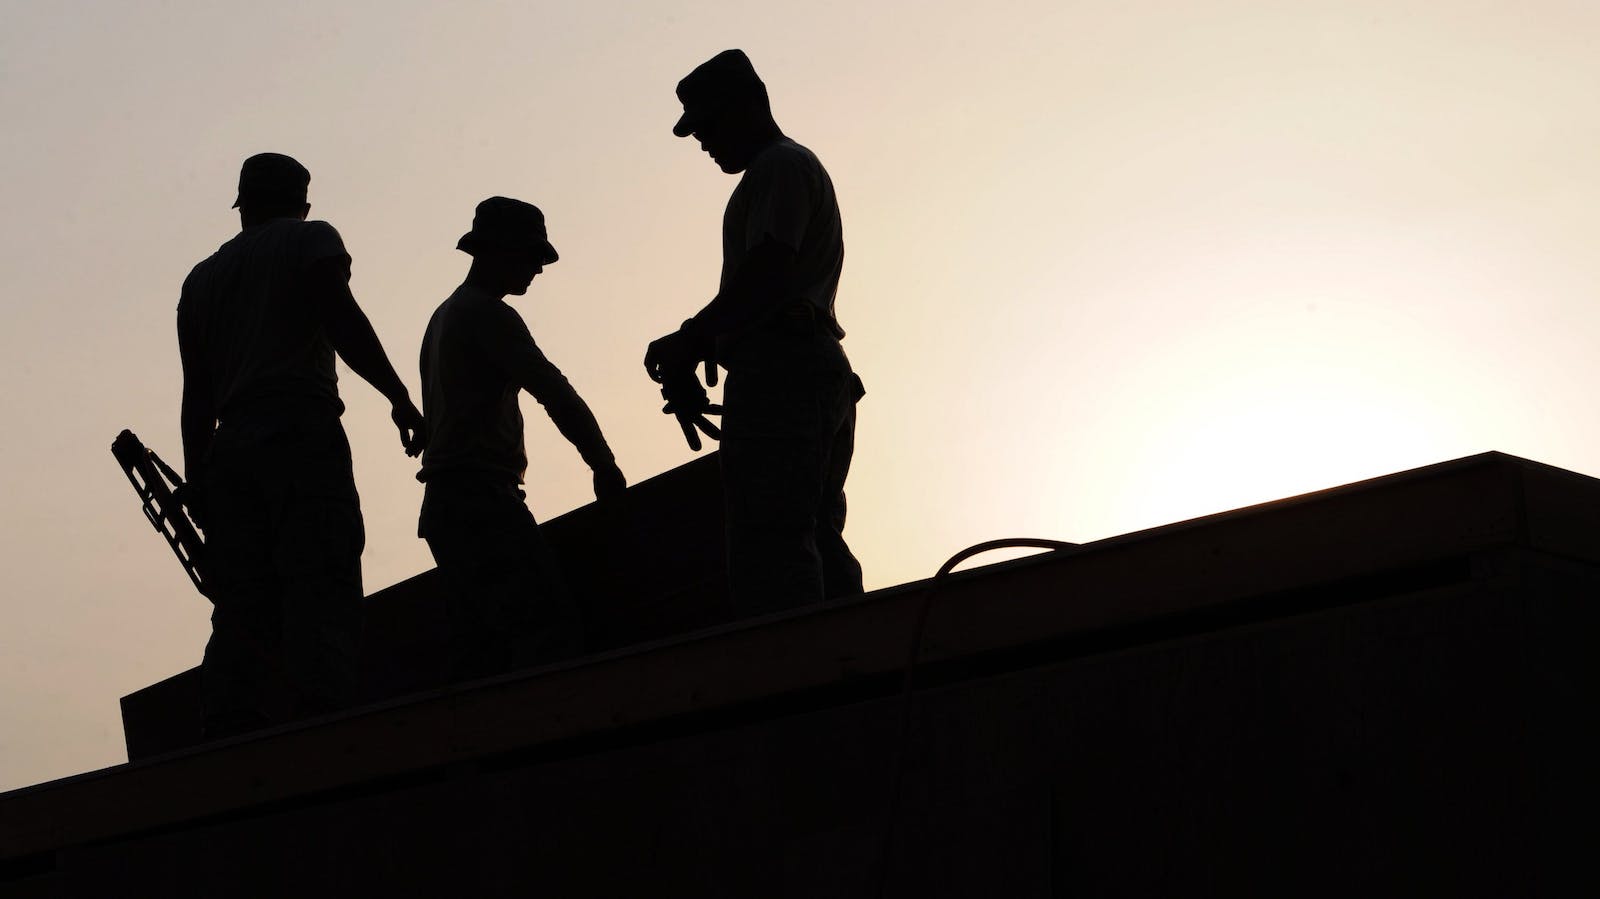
(688, 401)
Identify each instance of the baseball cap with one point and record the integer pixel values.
(272, 177)
(716, 83)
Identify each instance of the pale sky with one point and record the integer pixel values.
(1109, 265)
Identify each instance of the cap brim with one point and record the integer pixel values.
(545, 251)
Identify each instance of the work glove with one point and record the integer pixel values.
(687, 400)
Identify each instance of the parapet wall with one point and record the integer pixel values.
(651, 569)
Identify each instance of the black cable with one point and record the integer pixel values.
(908, 682)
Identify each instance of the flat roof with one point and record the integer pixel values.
(1190, 576)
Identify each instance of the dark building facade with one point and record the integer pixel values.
(1385, 689)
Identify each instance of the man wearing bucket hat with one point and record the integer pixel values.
(788, 427)
(509, 608)
(269, 469)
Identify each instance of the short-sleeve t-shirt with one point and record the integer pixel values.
(477, 353)
(786, 194)
(248, 311)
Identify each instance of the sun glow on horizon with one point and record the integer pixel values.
(1255, 437)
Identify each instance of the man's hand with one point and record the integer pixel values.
(194, 500)
(679, 350)
(609, 484)
(666, 355)
(670, 361)
(413, 431)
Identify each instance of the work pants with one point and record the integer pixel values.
(284, 537)
(787, 440)
(509, 607)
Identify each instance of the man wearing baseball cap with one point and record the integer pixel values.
(510, 608)
(788, 428)
(269, 470)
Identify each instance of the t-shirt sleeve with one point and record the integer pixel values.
(780, 196)
(190, 307)
(504, 338)
(508, 345)
(320, 241)
(185, 301)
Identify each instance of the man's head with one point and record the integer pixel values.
(508, 245)
(725, 107)
(272, 185)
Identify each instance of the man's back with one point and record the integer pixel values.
(786, 194)
(247, 309)
(266, 457)
(469, 398)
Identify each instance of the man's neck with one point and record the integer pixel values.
(248, 222)
(764, 138)
(481, 286)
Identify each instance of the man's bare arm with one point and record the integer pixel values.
(756, 291)
(198, 417)
(357, 344)
(567, 410)
(530, 370)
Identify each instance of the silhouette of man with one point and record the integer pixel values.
(510, 607)
(789, 404)
(259, 322)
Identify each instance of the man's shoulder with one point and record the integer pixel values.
(229, 247)
(309, 240)
(785, 165)
(288, 227)
(305, 242)
(200, 273)
(318, 240)
(785, 153)
(476, 309)
(316, 227)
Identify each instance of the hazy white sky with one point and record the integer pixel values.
(1108, 265)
